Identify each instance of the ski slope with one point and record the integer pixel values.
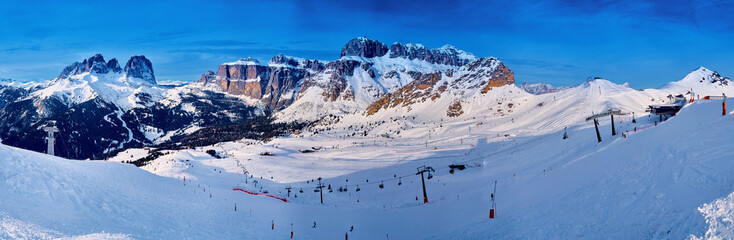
(668, 181)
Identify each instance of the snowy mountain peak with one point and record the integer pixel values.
(447, 54)
(364, 47)
(599, 82)
(95, 78)
(281, 59)
(139, 67)
(540, 88)
(703, 82)
(704, 75)
(114, 65)
(246, 62)
(95, 64)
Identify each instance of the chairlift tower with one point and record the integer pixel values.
(50, 139)
(609, 112)
(421, 170)
(320, 187)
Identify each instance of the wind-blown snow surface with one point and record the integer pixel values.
(649, 184)
(720, 218)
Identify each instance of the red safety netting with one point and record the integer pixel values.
(260, 194)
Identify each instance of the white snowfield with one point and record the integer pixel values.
(116, 88)
(664, 180)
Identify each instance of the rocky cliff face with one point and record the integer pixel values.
(423, 88)
(374, 74)
(94, 64)
(336, 86)
(283, 79)
(137, 67)
(364, 47)
(448, 55)
(478, 76)
(274, 84)
(491, 71)
(140, 67)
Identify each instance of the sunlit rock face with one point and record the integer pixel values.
(273, 84)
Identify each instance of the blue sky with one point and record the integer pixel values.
(645, 43)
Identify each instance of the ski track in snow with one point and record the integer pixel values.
(124, 125)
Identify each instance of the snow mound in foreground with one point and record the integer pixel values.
(11, 228)
(720, 218)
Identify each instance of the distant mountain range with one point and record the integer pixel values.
(540, 88)
(101, 107)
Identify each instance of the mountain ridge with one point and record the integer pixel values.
(133, 110)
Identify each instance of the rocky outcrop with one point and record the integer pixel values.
(477, 76)
(114, 66)
(313, 65)
(286, 60)
(140, 67)
(241, 79)
(421, 89)
(281, 84)
(364, 47)
(208, 77)
(137, 67)
(448, 55)
(484, 73)
(273, 85)
(500, 76)
(716, 78)
(337, 86)
(455, 109)
(95, 64)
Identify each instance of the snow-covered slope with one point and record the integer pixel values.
(511, 108)
(648, 183)
(703, 82)
(96, 78)
(125, 92)
(46, 197)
